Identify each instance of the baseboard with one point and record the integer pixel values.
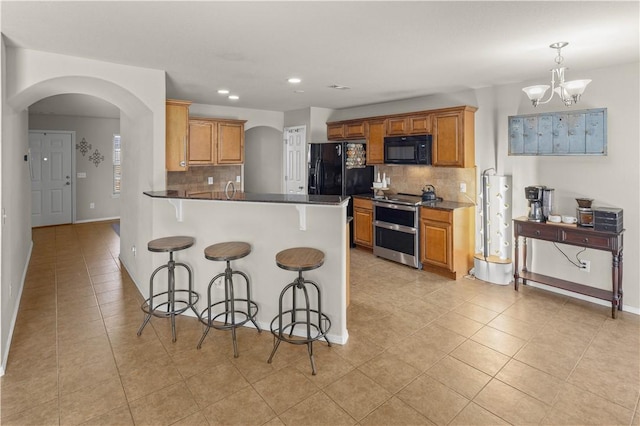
(625, 308)
(14, 317)
(102, 219)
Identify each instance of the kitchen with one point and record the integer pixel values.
(593, 177)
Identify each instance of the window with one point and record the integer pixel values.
(117, 168)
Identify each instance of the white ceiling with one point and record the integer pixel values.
(383, 51)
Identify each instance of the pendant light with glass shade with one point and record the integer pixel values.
(569, 91)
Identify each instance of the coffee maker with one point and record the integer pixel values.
(535, 194)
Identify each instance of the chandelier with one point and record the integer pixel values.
(569, 91)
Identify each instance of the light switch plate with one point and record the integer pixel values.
(210, 180)
(81, 175)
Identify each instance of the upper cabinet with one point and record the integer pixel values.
(177, 135)
(230, 147)
(375, 141)
(418, 124)
(346, 130)
(215, 141)
(200, 141)
(453, 132)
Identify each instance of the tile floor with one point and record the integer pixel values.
(423, 350)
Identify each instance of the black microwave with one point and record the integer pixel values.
(414, 149)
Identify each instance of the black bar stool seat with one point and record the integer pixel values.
(316, 323)
(233, 317)
(173, 306)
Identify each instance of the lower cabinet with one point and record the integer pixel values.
(363, 222)
(447, 241)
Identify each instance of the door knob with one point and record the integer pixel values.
(68, 183)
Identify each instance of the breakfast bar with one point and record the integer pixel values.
(270, 223)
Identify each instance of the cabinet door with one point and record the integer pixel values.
(363, 227)
(397, 126)
(230, 149)
(354, 130)
(531, 135)
(335, 131)
(177, 134)
(202, 137)
(419, 124)
(375, 142)
(448, 149)
(516, 136)
(436, 243)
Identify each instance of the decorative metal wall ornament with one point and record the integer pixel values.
(83, 146)
(96, 158)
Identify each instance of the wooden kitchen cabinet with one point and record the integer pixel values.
(363, 222)
(346, 130)
(215, 141)
(202, 142)
(418, 124)
(453, 132)
(177, 135)
(447, 241)
(375, 141)
(230, 147)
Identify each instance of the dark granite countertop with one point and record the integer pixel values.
(442, 205)
(331, 200)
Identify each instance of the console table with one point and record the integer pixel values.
(575, 236)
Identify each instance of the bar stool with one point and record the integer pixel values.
(300, 259)
(227, 252)
(174, 307)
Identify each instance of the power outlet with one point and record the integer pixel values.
(210, 180)
(463, 187)
(585, 266)
(92, 205)
(238, 179)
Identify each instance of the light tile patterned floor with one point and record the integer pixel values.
(422, 350)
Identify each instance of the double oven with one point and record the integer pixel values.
(395, 228)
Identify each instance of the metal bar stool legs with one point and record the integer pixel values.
(231, 305)
(316, 323)
(173, 306)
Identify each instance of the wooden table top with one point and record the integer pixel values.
(300, 259)
(227, 251)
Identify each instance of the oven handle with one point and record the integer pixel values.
(394, 206)
(394, 227)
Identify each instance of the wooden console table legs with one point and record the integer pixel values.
(616, 278)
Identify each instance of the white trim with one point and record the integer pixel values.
(14, 318)
(101, 219)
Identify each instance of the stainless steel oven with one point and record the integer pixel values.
(395, 229)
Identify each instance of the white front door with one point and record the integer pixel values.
(50, 168)
(295, 176)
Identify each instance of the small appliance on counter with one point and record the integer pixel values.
(540, 202)
(607, 219)
(429, 193)
(584, 212)
(534, 194)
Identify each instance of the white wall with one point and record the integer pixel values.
(16, 200)
(97, 187)
(263, 168)
(30, 76)
(613, 180)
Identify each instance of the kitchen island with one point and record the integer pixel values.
(270, 223)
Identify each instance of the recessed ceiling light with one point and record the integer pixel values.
(339, 87)
(223, 92)
(234, 97)
(294, 80)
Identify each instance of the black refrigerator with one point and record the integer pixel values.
(339, 168)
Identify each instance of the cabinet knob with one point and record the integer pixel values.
(183, 164)
(538, 232)
(586, 240)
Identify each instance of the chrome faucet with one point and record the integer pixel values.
(226, 189)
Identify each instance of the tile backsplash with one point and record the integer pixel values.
(446, 180)
(195, 179)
